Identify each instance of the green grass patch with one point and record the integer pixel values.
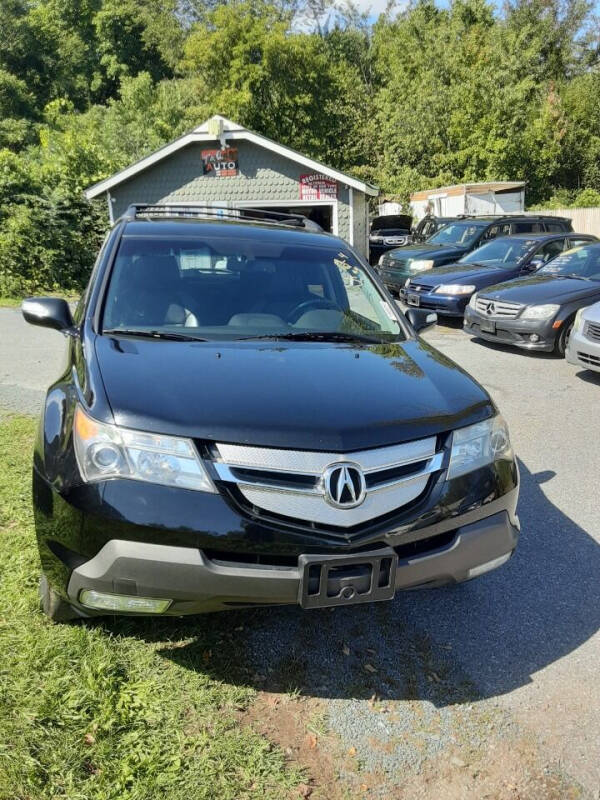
(115, 708)
(10, 302)
(15, 302)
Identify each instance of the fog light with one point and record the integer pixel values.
(534, 337)
(123, 602)
(488, 566)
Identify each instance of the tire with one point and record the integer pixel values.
(53, 605)
(560, 348)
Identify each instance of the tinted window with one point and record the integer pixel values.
(582, 262)
(226, 287)
(555, 227)
(527, 227)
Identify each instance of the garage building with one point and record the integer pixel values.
(220, 164)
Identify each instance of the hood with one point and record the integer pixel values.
(428, 251)
(297, 395)
(539, 289)
(391, 222)
(458, 273)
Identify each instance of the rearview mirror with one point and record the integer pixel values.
(47, 312)
(420, 319)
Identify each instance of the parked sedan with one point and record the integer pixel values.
(447, 290)
(584, 341)
(537, 313)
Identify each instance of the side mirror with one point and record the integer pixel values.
(48, 312)
(534, 265)
(420, 319)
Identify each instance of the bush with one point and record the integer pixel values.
(48, 243)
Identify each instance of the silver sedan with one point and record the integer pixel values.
(584, 342)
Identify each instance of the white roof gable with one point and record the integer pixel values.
(231, 132)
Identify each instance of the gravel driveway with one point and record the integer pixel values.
(489, 689)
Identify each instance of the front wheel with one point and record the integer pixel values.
(53, 605)
(562, 341)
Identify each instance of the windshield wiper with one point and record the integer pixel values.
(314, 336)
(177, 337)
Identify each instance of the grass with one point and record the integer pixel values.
(15, 302)
(115, 709)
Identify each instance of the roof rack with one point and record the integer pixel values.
(168, 210)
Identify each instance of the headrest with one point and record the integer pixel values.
(150, 270)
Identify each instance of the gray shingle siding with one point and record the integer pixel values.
(264, 176)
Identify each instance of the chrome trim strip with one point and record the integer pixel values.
(225, 474)
(314, 463)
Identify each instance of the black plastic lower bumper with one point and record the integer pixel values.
(195, 583)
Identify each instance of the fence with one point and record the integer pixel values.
(585, 220)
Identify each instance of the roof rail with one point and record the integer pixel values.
(169, 210)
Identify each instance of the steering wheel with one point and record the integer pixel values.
(306, 305)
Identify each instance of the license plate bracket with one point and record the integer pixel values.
(487, 326)
(331, 580)
(413, 299)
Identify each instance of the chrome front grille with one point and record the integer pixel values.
(393, 263)
(419, 287)
(592, 331)
(293, 483)
(497, 309)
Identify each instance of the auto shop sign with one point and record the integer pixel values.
(317, 187)
(221, 163)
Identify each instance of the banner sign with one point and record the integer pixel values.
(221, 163)
(317, 187)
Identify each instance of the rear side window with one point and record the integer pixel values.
(555, 227)
(528, 227)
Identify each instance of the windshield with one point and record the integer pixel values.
(456, 233)
(580, 262)
(499, 251)
(225, 287)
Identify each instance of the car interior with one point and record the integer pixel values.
(241, 289)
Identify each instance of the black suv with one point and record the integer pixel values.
(387, 232)
(245, 418)
(456, 240)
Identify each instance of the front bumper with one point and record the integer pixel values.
(194, 583)
(445, 305)
(514, 332)
(583, 352)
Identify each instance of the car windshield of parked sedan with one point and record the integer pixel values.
(500, 251)
(580, 262)
(456, 233)
(225, 287)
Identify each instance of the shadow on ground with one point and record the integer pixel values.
(452, 645)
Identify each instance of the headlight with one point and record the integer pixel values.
(477, 445)
(540, 312)
(454, 288)
(407, 283)
(394, 239)
(106, 451)
(577, 325)
(421, 265)
(380, 262)
(473, 300)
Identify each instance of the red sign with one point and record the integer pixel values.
(317, 187)
(221, 163)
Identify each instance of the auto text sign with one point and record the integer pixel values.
(221, 163)
(317, 187)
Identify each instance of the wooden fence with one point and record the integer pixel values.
(585, 220)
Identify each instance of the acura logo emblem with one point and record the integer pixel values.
(344, 485)
(491, 308)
